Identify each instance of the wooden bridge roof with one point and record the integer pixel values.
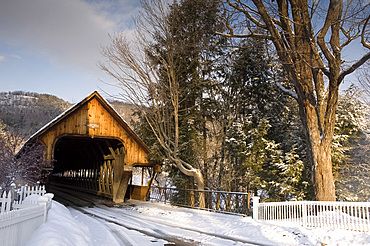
(106, 105)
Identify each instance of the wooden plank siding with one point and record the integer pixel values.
(94, 118)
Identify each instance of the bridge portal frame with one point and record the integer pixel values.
(94, 118)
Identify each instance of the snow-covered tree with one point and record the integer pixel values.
(263, 140)
(308, 37)
(18, 169)
(350, 148)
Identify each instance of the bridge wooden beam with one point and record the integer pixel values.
(121, 177)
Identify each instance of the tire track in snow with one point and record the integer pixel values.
(110, 215)
(114, 216)
(156, 233)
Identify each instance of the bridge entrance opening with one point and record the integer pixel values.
(75, 153)
(91, 165)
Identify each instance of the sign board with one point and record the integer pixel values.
(93, 125)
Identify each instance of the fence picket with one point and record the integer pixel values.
(332, 215)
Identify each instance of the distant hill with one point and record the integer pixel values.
(26, 112)
(125, 110)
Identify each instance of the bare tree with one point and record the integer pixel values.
(22, 168)
(308, 37)
(154, 89)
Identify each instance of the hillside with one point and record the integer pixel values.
(125, 110)
(26, 112)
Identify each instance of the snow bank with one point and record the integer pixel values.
(61, 229)
(31, 198)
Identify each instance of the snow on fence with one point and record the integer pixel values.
(26, 191)
(17, 225)
(331, 215)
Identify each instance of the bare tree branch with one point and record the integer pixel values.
(364, 43)
(251, 35)
(154, 89)
(354, 66)
(287, 91)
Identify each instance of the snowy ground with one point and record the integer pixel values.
(144, 223)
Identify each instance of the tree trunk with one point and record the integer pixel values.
(200, 183)
(319, 152)
(323, 175)
(317, 114)
(306, 52)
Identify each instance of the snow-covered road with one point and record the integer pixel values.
(171, 231)
(145, 223)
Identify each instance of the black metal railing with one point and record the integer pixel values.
(218, 201)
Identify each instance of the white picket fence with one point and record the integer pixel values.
(331, 215)
(26, 191)
(19, 220)
(5, 202)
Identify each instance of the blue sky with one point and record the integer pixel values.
(52, 46)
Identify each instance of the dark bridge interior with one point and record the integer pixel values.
(86, 164)
(90, 165)
(74, 153)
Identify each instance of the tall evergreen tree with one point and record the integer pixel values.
(350, 148)
(192, 25)
(259, 134)
(165, 77)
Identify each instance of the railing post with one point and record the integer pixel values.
(255, 207)
(304, 213)
(43, 201)
(165, 195)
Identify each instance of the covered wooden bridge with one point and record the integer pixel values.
(91, 148)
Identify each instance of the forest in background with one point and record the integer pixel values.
(221, 112)
(238, 96)
(19, 111)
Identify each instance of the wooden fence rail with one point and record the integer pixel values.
(219, 201)
(331, 215)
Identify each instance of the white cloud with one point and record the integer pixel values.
(68, 32)
(2, 58)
